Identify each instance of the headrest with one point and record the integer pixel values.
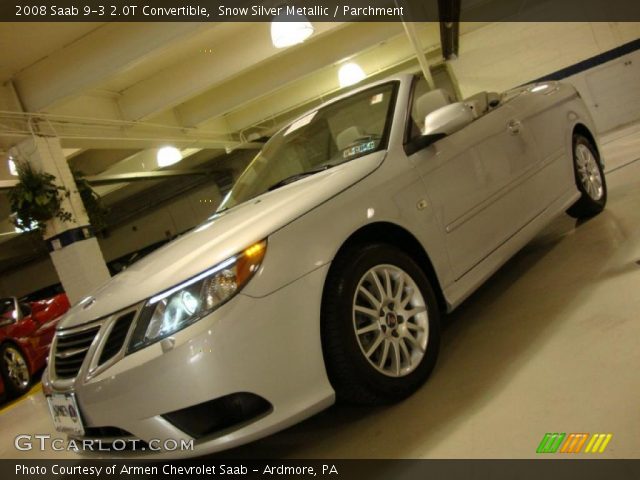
(430, 102)
(479, 103)
(347, 137)
(494, 99)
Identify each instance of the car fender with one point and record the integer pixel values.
(393, 194)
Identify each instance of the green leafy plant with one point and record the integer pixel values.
(92, 201)
(36, 199)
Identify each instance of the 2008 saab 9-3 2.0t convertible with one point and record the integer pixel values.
(325, 270)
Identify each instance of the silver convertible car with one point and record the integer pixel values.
(324, 273)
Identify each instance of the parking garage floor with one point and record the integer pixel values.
(550, 344)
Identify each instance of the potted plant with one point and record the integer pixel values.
(96, 211)
(36, 199)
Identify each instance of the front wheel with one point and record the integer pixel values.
(380, 325)
(590, 180)
(15, 371)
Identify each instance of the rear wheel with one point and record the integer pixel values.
(15, 371)
(590, 179)
(380, 325)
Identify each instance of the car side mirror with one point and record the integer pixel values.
(447, 120)
(423, 141)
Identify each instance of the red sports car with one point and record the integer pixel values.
(26, 331)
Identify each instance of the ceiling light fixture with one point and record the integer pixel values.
(350, 74)
(168, 156)
(13, 170)
(288, 33)
(539, 88)
(33, 226)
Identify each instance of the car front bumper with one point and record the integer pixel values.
(269, 347)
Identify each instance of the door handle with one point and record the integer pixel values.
(514, 127)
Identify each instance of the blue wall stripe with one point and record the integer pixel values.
(68, 237)
(592, 62)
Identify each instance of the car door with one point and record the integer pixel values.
(470, 178)
(44, 324)
(544, 113)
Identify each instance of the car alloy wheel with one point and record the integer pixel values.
(380, 325)
(390, 320)
(589, 178)
(589, 172)
(16, 369)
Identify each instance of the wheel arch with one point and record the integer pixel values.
(13, 343)
(397, 236)
(582, 129)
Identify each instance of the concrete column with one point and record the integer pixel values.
(72, 245)
(414, 39)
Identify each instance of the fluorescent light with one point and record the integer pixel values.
(13, 170)
(168, 156)
(25, 229)
(539, 88)
(350, 74)
(286, 34)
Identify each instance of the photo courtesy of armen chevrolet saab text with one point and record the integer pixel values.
(325, 272)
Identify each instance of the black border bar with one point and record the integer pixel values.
(585, 469)
(317, 10)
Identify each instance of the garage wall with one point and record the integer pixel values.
(164, 222)
(28, 278)
(612, 91)
(504, 55)
(171, 219)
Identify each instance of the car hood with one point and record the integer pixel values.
(222, 236)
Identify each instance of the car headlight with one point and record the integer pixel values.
(180, 306)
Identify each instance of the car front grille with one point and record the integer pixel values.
(220, 414)
(116, 338)
(71, 346)
(71, 349)
(107, 436)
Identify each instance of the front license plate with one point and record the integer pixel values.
(66, 414)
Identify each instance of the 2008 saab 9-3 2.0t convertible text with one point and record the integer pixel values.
(325, 270)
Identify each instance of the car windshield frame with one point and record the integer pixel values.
(6, 313)
(390, 87)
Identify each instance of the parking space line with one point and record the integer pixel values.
(35, 389)
(622, 166)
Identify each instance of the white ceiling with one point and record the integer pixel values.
(23, 44)
(101, 84)
(115, 92)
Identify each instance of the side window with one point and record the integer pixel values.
(25, 309)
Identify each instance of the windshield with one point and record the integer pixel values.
(7, 308)
(340, 132)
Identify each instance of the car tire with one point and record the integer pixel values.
(15, 371)
(361, 372)
(590, 179)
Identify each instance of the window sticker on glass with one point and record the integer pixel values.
(298, 124)
(358, 149)
(376, 98)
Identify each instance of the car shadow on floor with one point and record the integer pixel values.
(6, 402)
(485, 343)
